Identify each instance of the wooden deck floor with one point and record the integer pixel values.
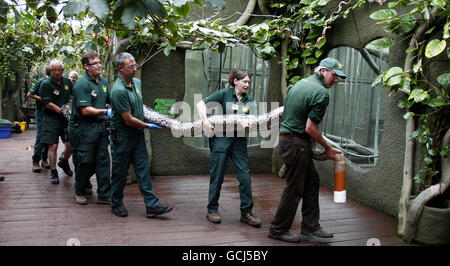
(35, 212)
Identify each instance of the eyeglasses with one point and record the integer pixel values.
(93, 64)
(132, 66)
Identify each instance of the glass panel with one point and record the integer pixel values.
(207, 72)
(354, 119)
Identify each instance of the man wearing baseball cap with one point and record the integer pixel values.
(304, 109)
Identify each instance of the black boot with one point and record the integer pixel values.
(54, 177)
(64, 164)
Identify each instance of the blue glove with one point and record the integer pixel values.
(153, 126)
(108, 112)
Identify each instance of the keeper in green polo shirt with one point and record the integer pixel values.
(234, 100)
(55, 92)
(304, 108)
(87, 131)
(40, 149)
(128, 141)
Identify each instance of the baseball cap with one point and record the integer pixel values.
(334, 64)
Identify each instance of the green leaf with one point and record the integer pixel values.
(383, 14)
(382, 43)
(220, 4)
(180, 3)
(430, 30)
(408, 115)
(437, 102)
(51, 15)
(444, 79)
(73, 8)
(417, 66)
(428, 160)
(32, 3)
(434, 48)
(183, 10)
(310, 60)
(131, 12)
(402, 25)
(438, 3)
(99, 8)
(307, 52)
(377, 80)
(318, 53)
(155, 8)
(393, 76)
(410, 49)
(293, 64)
(405, 86)
(322, 43)
(418, 95)
(446, 33)
(432, 152)
(403, 103)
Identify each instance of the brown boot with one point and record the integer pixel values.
(250, 218)
(36, 168)
(213, 217)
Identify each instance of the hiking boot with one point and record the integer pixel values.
(120, 211)
(82, 200)
(36, 168)
(287, 237)
(320, 233)
(250, 218)
(158, 210)
(45, 164)
(213, 217)
(64, 164)
(88, 188)
(103, 201)
(54, 179)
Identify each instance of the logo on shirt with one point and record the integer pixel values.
(245, 109)
(66, 87)
(137, 90)
(104, 89)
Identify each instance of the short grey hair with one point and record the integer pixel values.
(54, 62)
(317, 71)
(120, 58)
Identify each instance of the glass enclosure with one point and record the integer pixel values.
(354, 117)
(207, 72)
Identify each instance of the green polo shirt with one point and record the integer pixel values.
(124, 99)
(230, 105)
(52, 92)
(87, 92)
(308, 98)
(35, 91)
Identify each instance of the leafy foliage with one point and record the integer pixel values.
(421, 98)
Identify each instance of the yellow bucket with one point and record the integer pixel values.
(22, 125)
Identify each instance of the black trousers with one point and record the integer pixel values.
(302, 182)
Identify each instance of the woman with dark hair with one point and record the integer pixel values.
(233, 100)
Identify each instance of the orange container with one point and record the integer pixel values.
(340, 179)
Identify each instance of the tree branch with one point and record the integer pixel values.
(408, 164)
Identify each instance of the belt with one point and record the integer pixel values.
(295, 136)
